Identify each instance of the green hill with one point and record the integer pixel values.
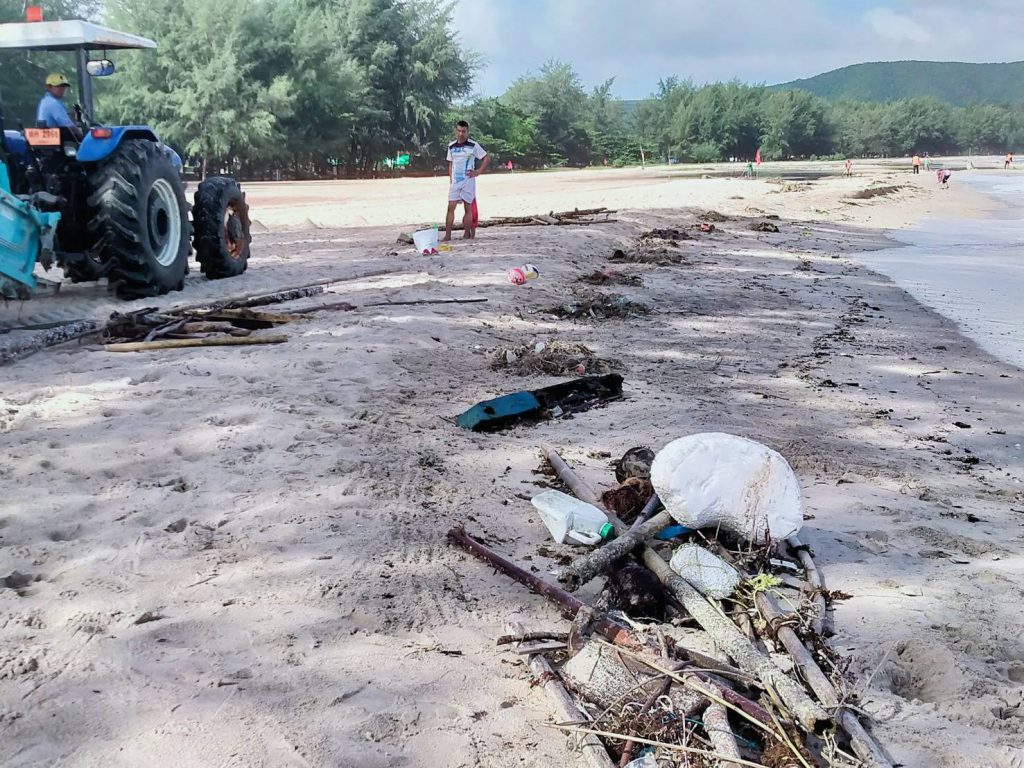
(954, 82)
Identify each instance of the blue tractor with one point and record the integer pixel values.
(106, 201)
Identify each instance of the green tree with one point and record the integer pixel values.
(793, 123)
(412, 69)
(724, 116)
(984, 128)
(196, 89)
(505, 132)
(555, 99)
(921, 124)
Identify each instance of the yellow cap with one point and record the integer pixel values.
(55, 80)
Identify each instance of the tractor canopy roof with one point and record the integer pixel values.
(67, 36)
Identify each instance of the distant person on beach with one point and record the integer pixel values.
(916, 162)
(943, 175)
(849, 167)
(510, 166)
(1009, 160)
(927, 162)
(463, 154)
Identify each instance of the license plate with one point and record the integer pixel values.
(43, 137)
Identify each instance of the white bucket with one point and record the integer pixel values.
(425, 240)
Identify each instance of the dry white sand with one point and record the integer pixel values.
(237, 557)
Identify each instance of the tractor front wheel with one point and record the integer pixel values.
(221, 224)
(143, 216)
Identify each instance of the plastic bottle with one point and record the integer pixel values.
(569, 518)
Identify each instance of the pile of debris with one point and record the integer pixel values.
(708, 644)
(594, 305)
(149, 328)
(552, 358)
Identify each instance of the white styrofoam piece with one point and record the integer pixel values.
(706, 571)
(718, 480)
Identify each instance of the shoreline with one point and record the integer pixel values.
(965, 268)
(283, 509)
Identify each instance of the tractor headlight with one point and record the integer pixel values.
(70, 150)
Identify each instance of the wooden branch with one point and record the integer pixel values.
(716, 724)
(256, 299)
(616, 633)
(722, 630)
(277, 297)
(584, 568)
(215, 341)
(270, 318)
(343, 306)
(593, 750)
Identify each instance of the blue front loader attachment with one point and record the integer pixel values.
(24, 231)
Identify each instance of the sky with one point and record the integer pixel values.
(639, 42)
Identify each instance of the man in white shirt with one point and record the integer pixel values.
(463, 154)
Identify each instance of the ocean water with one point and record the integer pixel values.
(970, 270)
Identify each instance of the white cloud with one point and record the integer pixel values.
(897, 27)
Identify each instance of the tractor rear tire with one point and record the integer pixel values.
(221, 223)
(141, 211)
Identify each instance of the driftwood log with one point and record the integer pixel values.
(723, 631)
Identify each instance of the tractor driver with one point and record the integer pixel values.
(51, 112)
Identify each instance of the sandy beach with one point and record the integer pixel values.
(237, 557)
